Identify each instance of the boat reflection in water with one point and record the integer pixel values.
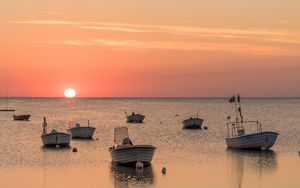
(246, 164)
(126, 176)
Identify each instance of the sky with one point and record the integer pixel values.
(142, 48)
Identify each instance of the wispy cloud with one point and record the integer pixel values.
(181, 37)
(134, 45)
(51, 12)
(45, 22)
(112, 28)
(70, 42)
(171, 29)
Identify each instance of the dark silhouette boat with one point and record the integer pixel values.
(21, 117)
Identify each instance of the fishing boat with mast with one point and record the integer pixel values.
(237, 138)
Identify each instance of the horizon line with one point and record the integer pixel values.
(147, 97)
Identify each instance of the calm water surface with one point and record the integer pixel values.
(193, 158)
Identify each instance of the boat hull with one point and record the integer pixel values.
(132, 154)
(21, 117)
(192, 123)
(7, 110)
(256, 141)
(137, 118)
(54, 139)
(82, 132)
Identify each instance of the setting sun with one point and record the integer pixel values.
(70, 93)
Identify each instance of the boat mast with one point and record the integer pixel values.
(236, 111)
(240, 108)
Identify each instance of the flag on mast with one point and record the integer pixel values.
(232, 99)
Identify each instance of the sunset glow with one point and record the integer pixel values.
(149, 93)
(250, 47)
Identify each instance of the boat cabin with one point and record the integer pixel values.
(235, 129)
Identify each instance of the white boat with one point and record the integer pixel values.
(135, 118)
(54, 138)
(81, 131)
(260, 140)
(128, 154)
(24, 117)
(192, 123)
(237, 137)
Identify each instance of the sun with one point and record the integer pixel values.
(70, 93)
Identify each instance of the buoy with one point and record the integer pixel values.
(205, 127)
(97, 139)
(139, 165)
(74, 149)
(164, 170)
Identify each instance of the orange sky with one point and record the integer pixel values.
(140, 48)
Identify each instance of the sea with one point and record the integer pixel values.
(192, 158)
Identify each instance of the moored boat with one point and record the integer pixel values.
(21, 117)
(237, 137)
(135, 118)
(82, 131)
(192, 123)
(54, 138)
(126, 153)
(7, 110)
